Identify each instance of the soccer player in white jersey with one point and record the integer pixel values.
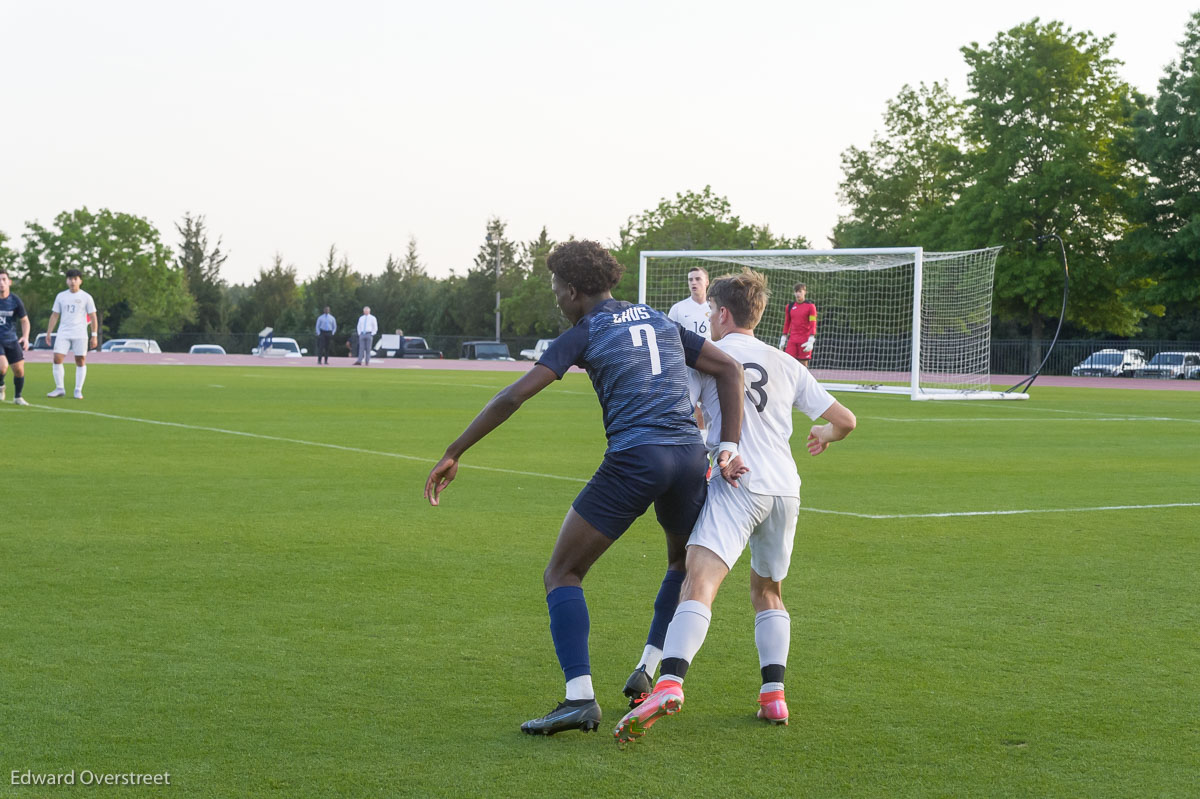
(760, 511)
(74, 307)
(692, 311)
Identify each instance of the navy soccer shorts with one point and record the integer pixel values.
(628, 481)
(12, 351)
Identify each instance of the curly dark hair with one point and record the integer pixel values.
(586, 265)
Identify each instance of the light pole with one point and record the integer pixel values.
(494, 239)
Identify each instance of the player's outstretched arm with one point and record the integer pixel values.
(494, 414)
(841, 423)
(51, 324)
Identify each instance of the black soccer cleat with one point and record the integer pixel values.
(638, 686)
(577, 714)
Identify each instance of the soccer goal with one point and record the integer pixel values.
(893, 320)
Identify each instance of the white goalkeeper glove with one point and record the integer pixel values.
(782, 342)
(808, 345)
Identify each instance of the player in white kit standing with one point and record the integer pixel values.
(761, 511)
(692, 311)
(73, 307)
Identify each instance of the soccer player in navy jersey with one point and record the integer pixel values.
(637, 361)
(12, 344)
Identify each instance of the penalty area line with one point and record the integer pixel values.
(1023, 511)
(301, 441)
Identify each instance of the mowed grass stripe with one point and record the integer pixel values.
(266, 619)
(402, 456)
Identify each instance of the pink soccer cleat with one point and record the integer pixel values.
(666, 700)
(773, 707)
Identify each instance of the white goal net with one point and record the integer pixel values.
(894, 320)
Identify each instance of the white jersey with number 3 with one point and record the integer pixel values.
(692, 315)
(73, 309)
(775, 383)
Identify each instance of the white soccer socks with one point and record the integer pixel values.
(685, 636)
(58, 371)
(80, 376)
(773, 637)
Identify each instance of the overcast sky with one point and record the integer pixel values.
(294, 126)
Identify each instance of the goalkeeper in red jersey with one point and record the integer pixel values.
(799, 327)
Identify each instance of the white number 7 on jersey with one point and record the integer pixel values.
(651, 342)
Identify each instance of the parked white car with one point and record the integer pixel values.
(1170, 365)
(130, 345)
(282, 347)
(538, 350)
(206, 349)
(1110, 363)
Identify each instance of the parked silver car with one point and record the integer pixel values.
(1170, 365)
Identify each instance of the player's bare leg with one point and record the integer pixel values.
(579, 545)
(772, 636)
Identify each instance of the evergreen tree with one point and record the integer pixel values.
(201, 269)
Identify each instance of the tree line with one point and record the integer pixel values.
(1048, 142)
(145, 288)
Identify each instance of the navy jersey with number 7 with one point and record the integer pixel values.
(637, 359)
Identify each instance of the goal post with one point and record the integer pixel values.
(892, 320)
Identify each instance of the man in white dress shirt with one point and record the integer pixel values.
(368, 326)
(761, 511)
(74, 307)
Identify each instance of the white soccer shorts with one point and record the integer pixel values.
(733, 517)
(76, 346)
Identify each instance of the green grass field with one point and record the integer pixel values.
(280, 614)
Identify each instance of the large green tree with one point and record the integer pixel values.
(1166, 242)
(126, 268)
(1049, 136)
(700, 220)
(201, 267)
(897, 190)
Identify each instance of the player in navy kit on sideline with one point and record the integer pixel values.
(637, 361)
(12, 346)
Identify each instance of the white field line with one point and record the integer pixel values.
(942, 419)
(999, 512)
(400, 456)
(302, 442)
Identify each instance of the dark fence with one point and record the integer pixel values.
(243, 343)
(1009, 356)
(1022, 356)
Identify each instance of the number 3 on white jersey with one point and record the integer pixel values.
(651, 342)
